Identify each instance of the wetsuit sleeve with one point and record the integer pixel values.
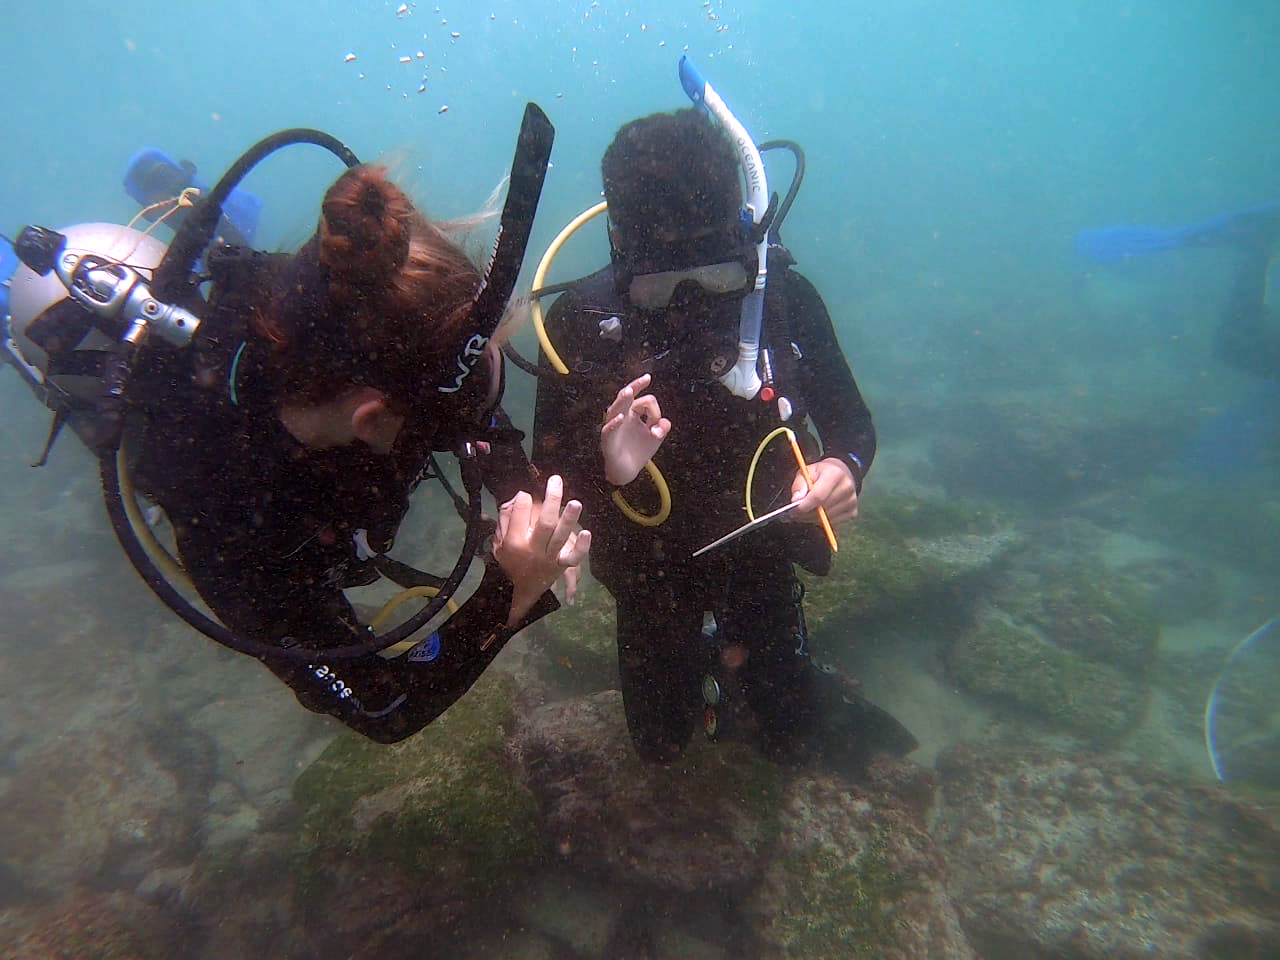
(388, 700)
(506, 468)
(835, 403)
(292, 603)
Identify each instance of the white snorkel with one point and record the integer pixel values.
(741, 380)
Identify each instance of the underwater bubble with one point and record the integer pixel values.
(1242, 713)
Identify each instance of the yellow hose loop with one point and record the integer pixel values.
(664, 496)
(161, 557)
(751, 473)
(390, 606)
(539, 278)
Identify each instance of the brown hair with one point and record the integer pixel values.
(379, 297)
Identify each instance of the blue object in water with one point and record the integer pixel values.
(1240, 730)
(8, 264)
(1233, 443)
(153, 176)
(1112, 244)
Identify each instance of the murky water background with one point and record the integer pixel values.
(1073, 519)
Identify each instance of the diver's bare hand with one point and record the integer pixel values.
(633, 430)
(833, 488)
(536, 543)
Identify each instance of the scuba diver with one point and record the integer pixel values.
(282, 421)
(667, 340)
(1248, 335)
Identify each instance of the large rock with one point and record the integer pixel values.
(903, 551)
(1075, 858)
(854, 873)
(822, 867)
(1062, 638)
(396, 844)
(88, 925)
(698, 824)
(997, 658)
(102, 807)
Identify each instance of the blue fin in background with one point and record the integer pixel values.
(1251, 226)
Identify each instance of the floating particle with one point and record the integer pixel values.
(662, 43)
(644, 28)
(443, 21)
(349, 58)
(406, 59)
(215, 117)
(455, 35)
(421, 55)
(560, 95)
(686, 48)
(493, 16)
(444, 108)
(359, 76)
(422, 87)
(402, 10)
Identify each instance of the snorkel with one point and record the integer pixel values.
(741, 379)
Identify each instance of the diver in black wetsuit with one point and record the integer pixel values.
(665, 313)
(1248, 336)
(283, 445)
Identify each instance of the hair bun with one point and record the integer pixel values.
(365, 229)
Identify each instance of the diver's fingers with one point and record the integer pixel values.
(646, 409)
(564, 528)
(504, 520)
(661, 429)
(571, 575)
(575, 549)
(521, 512)
(800, 490)
(549, 514)
(621, 403)
(611, 426)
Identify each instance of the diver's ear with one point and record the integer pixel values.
(374, 422)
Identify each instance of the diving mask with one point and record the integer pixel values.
(653, 291)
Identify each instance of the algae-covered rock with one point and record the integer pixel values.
(88, 925)
(1085, 608)
(1088, 858)
(395, 843)
(855, 874)
(902, 550)
(995, 657)
(699, 823)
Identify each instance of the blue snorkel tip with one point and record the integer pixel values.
(695, 85)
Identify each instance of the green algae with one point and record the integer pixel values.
(447, 796)
(1091, 611)
(840, 908)
(998, 658)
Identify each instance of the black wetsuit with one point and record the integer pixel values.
(662, 593)
(265, 530)
(1249, 335)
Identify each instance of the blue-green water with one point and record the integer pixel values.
(954, 150)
